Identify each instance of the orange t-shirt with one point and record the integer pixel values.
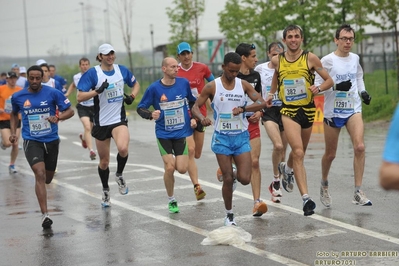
(5, 101)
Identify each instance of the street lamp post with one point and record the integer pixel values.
(26, 34)
(153, 51)
(84, 28)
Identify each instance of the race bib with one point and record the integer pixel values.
(275, 100)
(8, 106)
(294, 89)
(39, 125)
(344, 103)
(173, 114)
(114, 92)
(228, 123)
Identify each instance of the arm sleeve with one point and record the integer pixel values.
(210, 78)
(88, 80)
(128, 76)
(359, 78)
(144, 113)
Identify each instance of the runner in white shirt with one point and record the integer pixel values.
(343, 107)
(105, 83)
(85, 109)
(271, 120)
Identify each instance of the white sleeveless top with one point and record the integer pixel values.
(76, 79)
(111, 100)
(223, 104)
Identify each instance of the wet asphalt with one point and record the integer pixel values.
(138, 229)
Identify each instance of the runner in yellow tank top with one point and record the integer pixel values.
(294, 78)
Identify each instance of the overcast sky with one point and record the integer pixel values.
(58, 25)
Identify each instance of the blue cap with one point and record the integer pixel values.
(14, 66)
(183, 46)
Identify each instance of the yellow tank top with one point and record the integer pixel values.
(294, 81)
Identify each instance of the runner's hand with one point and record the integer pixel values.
(343, 86)
(129, 99)
(366, 97)
(102, 87)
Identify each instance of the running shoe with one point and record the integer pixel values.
(12, 169)
(359, 198)
(325, 197)
(288, 179)
(259, 209)
(229, 220)
(173, 208)
(123, 189)
(92, 155)
(276, 192)
(199, 192)
(219, 176)
(46, 221)
(84, 144)
(2, 146)
(308, 207)
(106, 200)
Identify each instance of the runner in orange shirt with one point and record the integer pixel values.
(6, 92)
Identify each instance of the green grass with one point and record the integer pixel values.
(384, 95)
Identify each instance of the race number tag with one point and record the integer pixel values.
(275, 100)
(344, 103)
(294, 89)
(173, 114)
(114, 92)
(228, 123)
(39, 125)
(8, 106)
(194, 91)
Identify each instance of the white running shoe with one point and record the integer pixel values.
(123, 189)
(288, 179)
(359, 198)
(276, 193)
(12, 169)
(106, 200)
(325, 197)
(229, 220)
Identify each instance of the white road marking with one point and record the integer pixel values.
(317, 217)
(182, 225)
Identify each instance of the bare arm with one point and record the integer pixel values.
(13, 126)
(66, 114)
(315, 63)
(136, 89)
(71, 88)
(207, 93)
(258, 102)
(86, 95)
(389, 175)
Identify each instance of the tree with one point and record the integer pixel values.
(388, 10)
(184, 18)
(259, 20)
(124, 13)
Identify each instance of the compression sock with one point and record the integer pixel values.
(121, 164)
(104, 176)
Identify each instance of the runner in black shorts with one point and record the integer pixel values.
(271, 120)
(85, 110)
(39, 131)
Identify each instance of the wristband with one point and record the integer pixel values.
(318, 88)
